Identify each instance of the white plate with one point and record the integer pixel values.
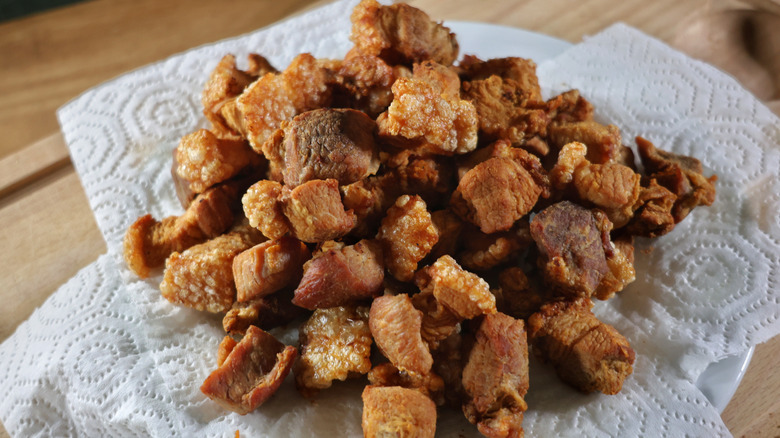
(719, 381)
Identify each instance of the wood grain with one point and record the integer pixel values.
(50, 58)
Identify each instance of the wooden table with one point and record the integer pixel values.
(48, 232)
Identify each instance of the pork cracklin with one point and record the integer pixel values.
(424, 219)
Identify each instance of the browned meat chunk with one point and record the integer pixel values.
(585, 352)
(365, 82)
(520, 72)
(449, 357)
(148, 242)
(395, 325)
(225, 347)
(335, 345)
(393, 411)
(431, 177)
(604, 142)
(517, 295)
(681, 174)
(503, 149)
(251, 373)
(369, 199)
(621, 269)
(427, 109)
(264, 209)
(266, 313)
(315, 212)
(496, 377)
(386, 374)
(341, 276)
(494, 194)
(201, 277)
(485, 251)
(225, 84)
(504, 111)
(324, 143)
(653, 215)
(569, 106)
(277, 97)
(407, 235)
(611, 187)
(202, 160)
(507, 97)
(268, 267)
(401, 34)
(449, 227)
(463, 293)
(448, 295)
(572, 248)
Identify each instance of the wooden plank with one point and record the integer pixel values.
(49, 58)
(754, 411)
(32, 163)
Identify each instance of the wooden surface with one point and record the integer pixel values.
(48, 232)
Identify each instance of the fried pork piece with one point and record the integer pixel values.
(613, 188)
(268, 267)
(315, 212)
(386, 374)
(621, 269)
(449, 357)
(395, 325)
(225, 84)
(148, 242)
(569, 106)
(277, 97)
(604, 142)
(365, 81)
(201, 277)
(585, 352)
(335, 345)
(369, 199)
(264, 209)
(266, 313)
(449, 227)
(321, 144)
(572, 243)
(401, 34)
(681, 174)
(485, 251)
(520, 71)
(504, 111)
(516, 295)
(495, 377)
(448, 295)
(504, 149)
(653, 215)
(431, 177)
(495, 194)
(427, 109)
(202, 160)
(225, 347)
(507, 97)
(393, 411)
(341, 275)
(463, 293)
(407, 235)
(251, 373)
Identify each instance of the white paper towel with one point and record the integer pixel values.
(107, 356)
